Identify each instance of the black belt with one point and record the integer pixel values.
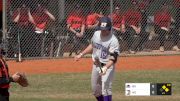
(103, 64)
(100, 64)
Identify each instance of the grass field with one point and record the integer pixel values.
(76, 86)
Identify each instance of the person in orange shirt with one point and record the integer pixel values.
(76, 28)
(41, 18)
(92, 22)
(118, 21)
(162, 20)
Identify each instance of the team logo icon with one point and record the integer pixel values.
(103, 24)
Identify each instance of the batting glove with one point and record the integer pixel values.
(104, 69)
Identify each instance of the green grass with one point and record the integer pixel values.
(76, 86)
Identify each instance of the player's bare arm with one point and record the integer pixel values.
(31, 19)
(82, 30)
(4, 80)
(17, 18)
(50, 15)
(123, 28)
(86, 51)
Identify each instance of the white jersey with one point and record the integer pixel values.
(102, 47)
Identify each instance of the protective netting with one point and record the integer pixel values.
(57, 28)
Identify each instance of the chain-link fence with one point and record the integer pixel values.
(58, 28)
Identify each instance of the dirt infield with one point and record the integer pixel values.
(69, 65)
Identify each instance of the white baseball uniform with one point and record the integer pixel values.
(102, 47)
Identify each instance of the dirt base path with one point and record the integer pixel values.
(69, 65)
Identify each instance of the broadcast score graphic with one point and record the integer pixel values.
(148, 89)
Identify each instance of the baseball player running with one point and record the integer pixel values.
(104, 47)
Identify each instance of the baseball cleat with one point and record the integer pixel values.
(175, 48)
